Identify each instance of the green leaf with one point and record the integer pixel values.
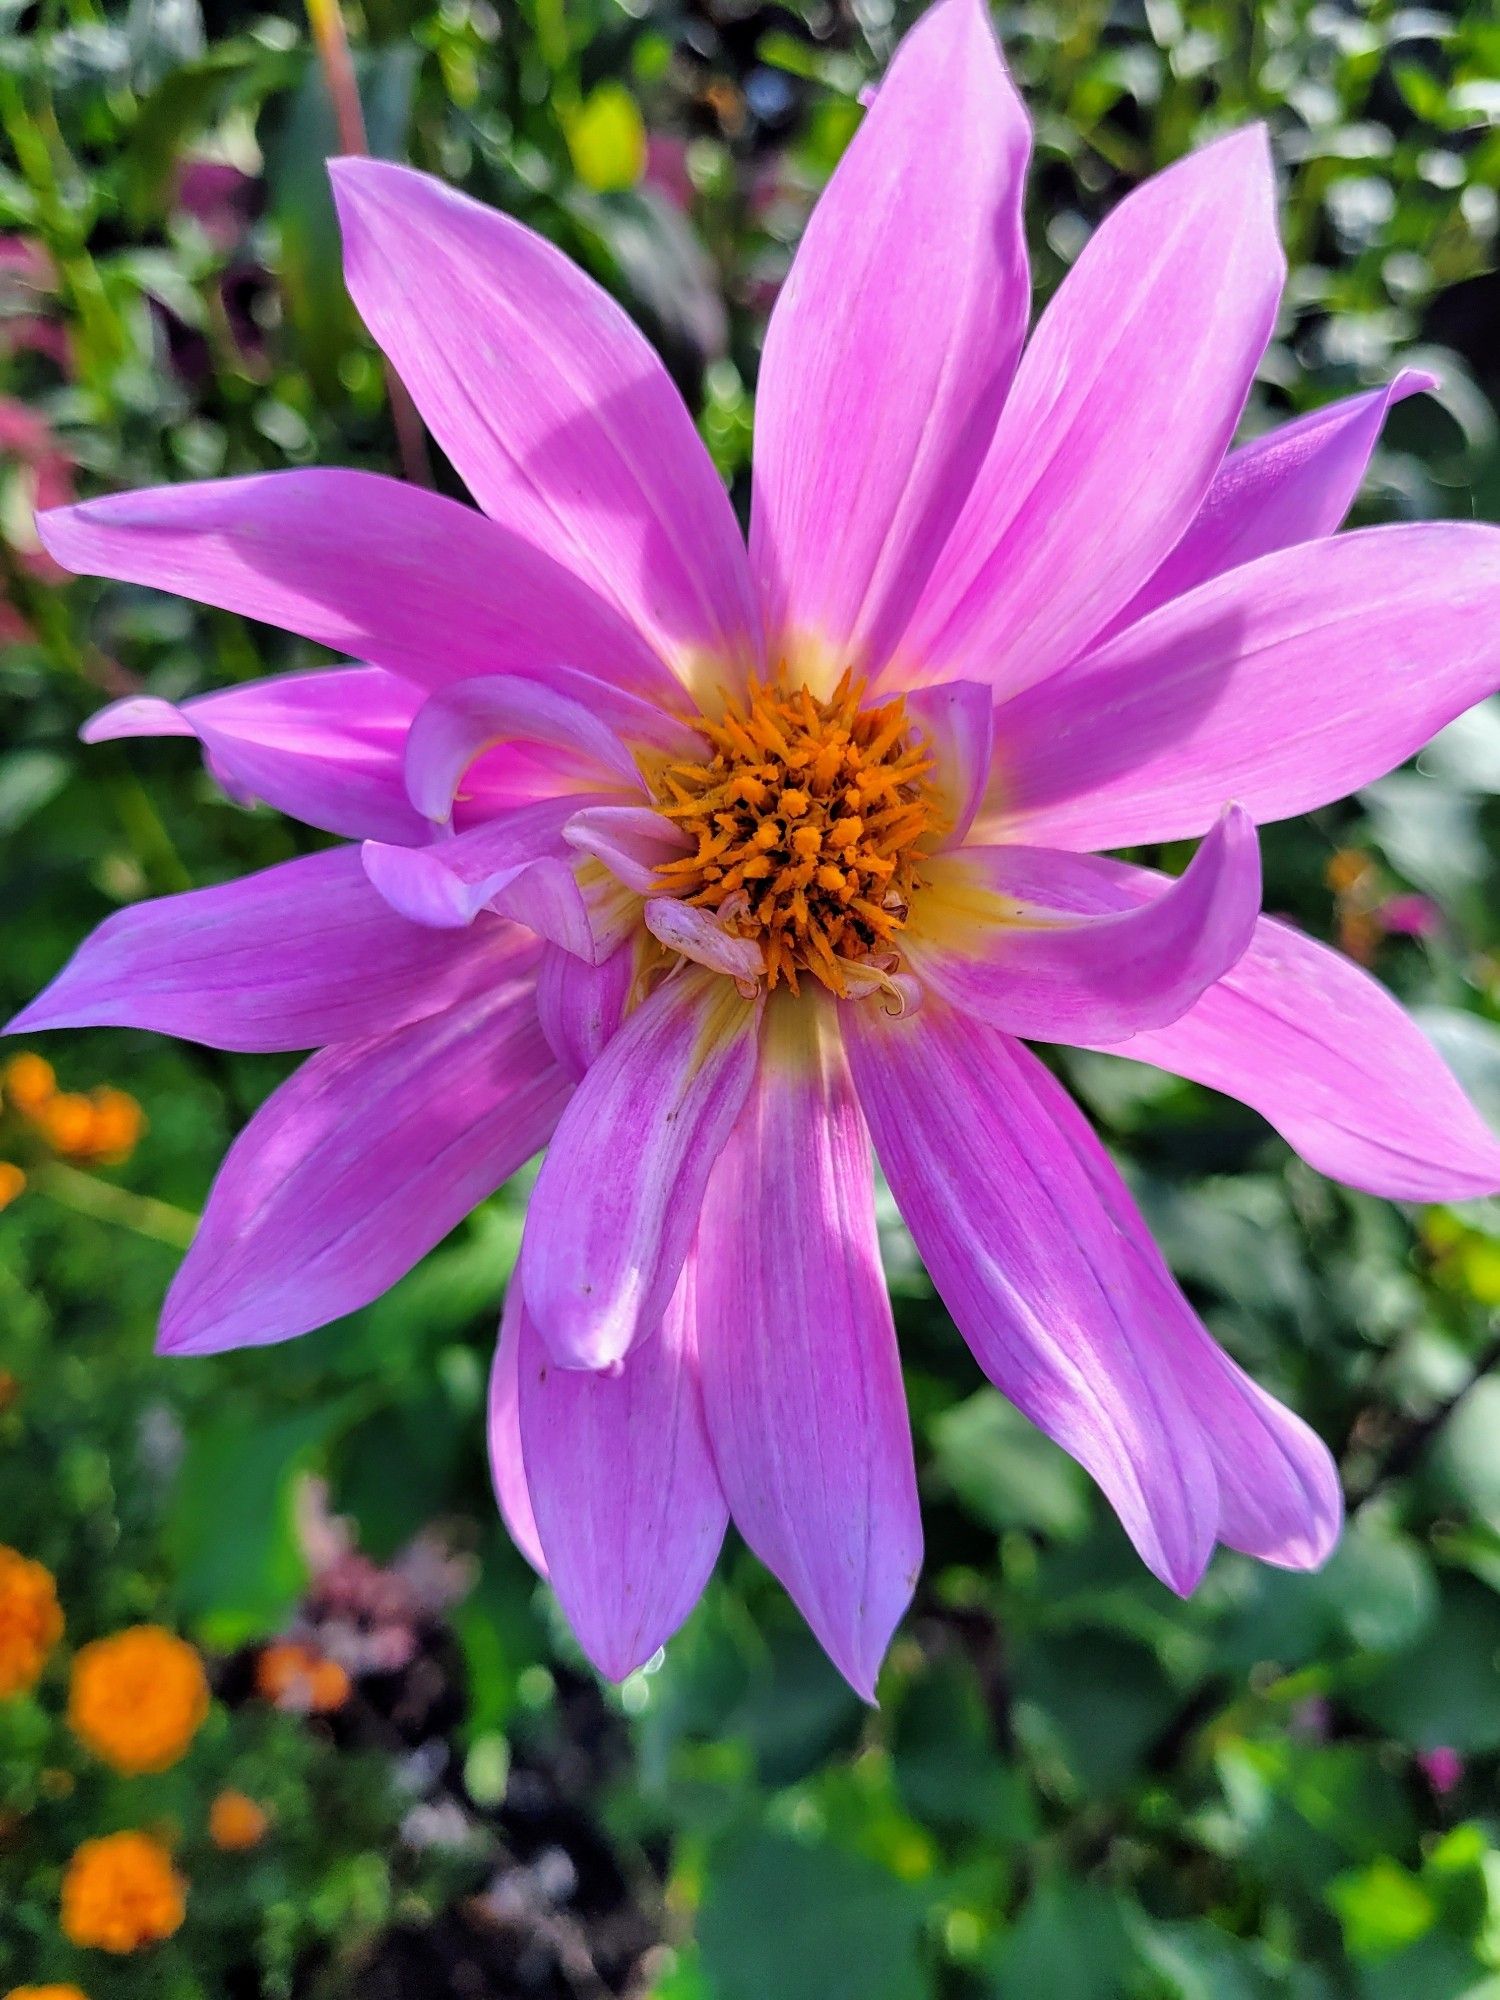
(1006, 1472)
(1446, 1688)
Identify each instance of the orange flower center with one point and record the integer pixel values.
(807, 827)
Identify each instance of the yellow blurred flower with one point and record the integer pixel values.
(295, 1677)
(138, 1698)
(29, 1082)
(121, 1893)
(31, 1622)
(236, 1822)
(12, 1182)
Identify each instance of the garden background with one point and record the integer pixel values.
(1075, 1785)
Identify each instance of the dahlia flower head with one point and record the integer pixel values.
(704, 867)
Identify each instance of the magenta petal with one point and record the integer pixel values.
(1283, 684)
(1293, 485)
(388, 572)
(627, 1502)
(292, 958)
(1324, 1053)
(957, 722)
(507, 1465)
(801, 1377)
(323, 747)
(631, 841)
(581, 1006)
(359, 1164)
(616, 1204)
(1124, 403)
(1050, 967)
(1034, 1270)
(554, 408)
(892, 343)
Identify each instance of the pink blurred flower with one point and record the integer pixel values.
(28, 288)
(710, 868)
(1443, 1769)
(30, 452)
(1410, 916)
(666, 169)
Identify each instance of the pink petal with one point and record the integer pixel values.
(801, 1377)
(323, 747)
(627, 1501)
(700, 936)
(1293, 485)
(457, 724)
(957, 722)
(1283, 684)
(553, 407)
(507, 1466)
(1125, 401)
(1033, 1270)
(631, 841)
(388, 572)
(1002, 934)
(1324, 1053)
(892, 345)
(582, 1006)
(291, 958)
(617, 1200)
(359, 1164)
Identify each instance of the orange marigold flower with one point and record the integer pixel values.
(31, 1622)
(29, 1082)
(138, 1698)
(121, 1893)
(294, 1676)
(46, 1993)
(236, 1822)
(12, 1182)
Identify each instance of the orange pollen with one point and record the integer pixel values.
(807, 826)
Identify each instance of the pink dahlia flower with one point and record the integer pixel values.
(709, 866)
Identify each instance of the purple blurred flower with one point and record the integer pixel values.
(1410, 916)
(1443, 1769)
(710, 868)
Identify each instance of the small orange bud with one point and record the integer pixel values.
(66, 1122)
(118, 1123)
(29, 1081)
(236, 1822)
(12, 1182)
(295, 1677)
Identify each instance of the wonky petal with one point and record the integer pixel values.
(361, 1162)
(801, 1377)
(370, 566)
(999, 934)
(1323, 1053)
(322, 747)
(507, 1466)
(1283, 684)
(294, 957)
(957, 722)
(1125, 400)
(627, 1504)
(553, 406)
(1293, 485)
(581, 1006)
(616, 1204)
(892, 346)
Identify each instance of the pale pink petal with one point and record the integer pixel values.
(581, 1006)
(1124, 403)
(617, 1200)
(700, 936)
(1035, 1273)
(892, 346)
(554, 408)
(293, 957)
(957, 722)
(631, 841)
(323, 747)
(1293, 485)
(627, 1502)
(1324, 1053)
(801, 1377)
(1000, 933)
(507, 1466)
(359, 1164)
(1283, 684)
(388, 572)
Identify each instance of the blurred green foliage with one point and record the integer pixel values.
(1075, 1785)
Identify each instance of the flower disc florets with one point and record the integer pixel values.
(807, 826)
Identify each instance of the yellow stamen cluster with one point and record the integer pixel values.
(807, 826)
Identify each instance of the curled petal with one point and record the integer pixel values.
(617, 1200)
(699, 935)
(1004, 934)
(801, 1378)
(957, 719)
(360, 1163)
(631, 841)
(626, 1500)
(507, 1465)
(457, 724)
(297, 956)
(581, 1006)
